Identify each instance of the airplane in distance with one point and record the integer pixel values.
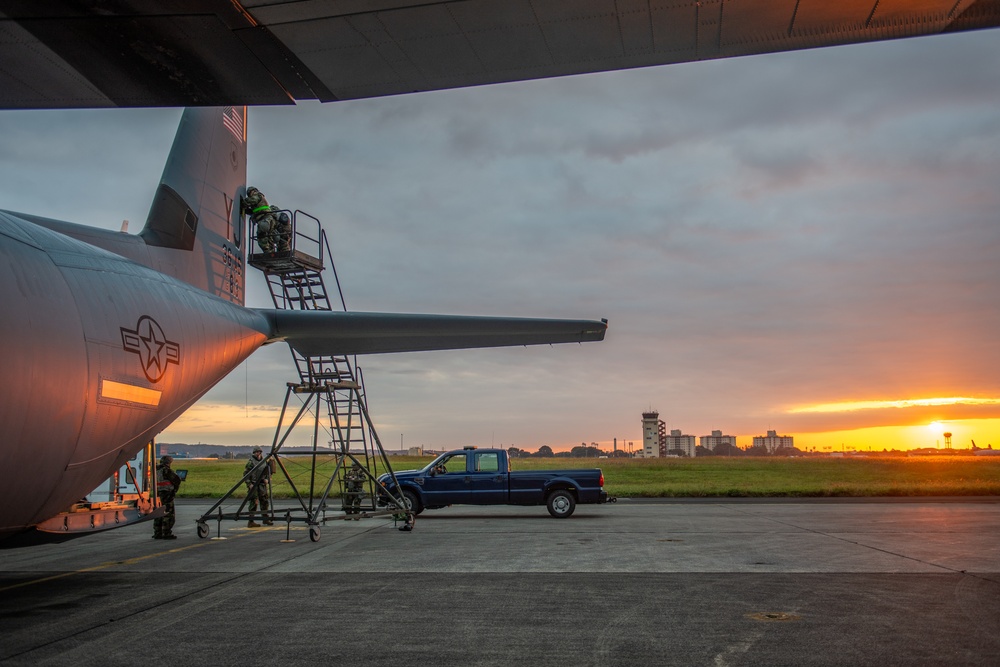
(115, 335)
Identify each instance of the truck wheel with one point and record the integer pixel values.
(412, 502)
(561, 503)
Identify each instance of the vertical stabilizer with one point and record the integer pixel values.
(194, 228)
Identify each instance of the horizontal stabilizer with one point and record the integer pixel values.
(313, 333)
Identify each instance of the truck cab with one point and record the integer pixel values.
(468, 476)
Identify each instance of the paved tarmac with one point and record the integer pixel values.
(635, 583)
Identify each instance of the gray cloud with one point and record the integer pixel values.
(761, 232)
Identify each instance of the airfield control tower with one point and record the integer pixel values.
(654, 435)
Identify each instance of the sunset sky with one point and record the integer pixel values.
(806, 242)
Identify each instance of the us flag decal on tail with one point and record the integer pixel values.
(233, 119)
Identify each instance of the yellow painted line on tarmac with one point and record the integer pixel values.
(128, 561)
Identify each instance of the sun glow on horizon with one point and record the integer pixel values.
(984, 432)
(852, 406)
(223, 418)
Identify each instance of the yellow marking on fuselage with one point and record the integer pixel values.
(130, 393)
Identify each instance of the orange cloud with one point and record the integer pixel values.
(852, 406)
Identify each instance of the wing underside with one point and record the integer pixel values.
(314, 333)
(63, 54)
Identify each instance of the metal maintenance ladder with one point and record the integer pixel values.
(331, 389)
(296, 283)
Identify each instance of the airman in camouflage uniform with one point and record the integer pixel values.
(167, 483)
(255, 205)
(282, 229)
(258, 477)
(354, 488)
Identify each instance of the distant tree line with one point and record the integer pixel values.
(725, 449)
(583, 450)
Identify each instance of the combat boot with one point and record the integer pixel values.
(252, 524)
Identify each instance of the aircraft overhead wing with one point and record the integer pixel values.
(66, 53)
(313, 333)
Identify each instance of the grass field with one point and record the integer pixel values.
(700, 477)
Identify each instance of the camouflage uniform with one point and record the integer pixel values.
(282, 229)
(354, 489)
(255, 204)
(257, 487)
(167, 483)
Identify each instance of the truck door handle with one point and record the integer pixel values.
(498, 478)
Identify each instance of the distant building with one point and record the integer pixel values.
(655, 441)
(716, 439)
(772, 441)
(654, 433)
(685, 443)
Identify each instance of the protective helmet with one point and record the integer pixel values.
(166, 460)
(258, 450)
(251, 190)
(283, 218)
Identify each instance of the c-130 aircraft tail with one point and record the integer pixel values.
(194, 231)
(196, 206)
(118, 334)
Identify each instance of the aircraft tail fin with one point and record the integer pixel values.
(196, 210)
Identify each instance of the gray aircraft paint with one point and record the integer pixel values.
(66, 54)
(69, 419)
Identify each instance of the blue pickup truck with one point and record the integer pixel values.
(474, 476)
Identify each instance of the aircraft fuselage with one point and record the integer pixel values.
(107, 352)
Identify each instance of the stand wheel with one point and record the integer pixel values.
(202, 529)
(314, 533)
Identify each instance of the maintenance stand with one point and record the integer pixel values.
(330, 388)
